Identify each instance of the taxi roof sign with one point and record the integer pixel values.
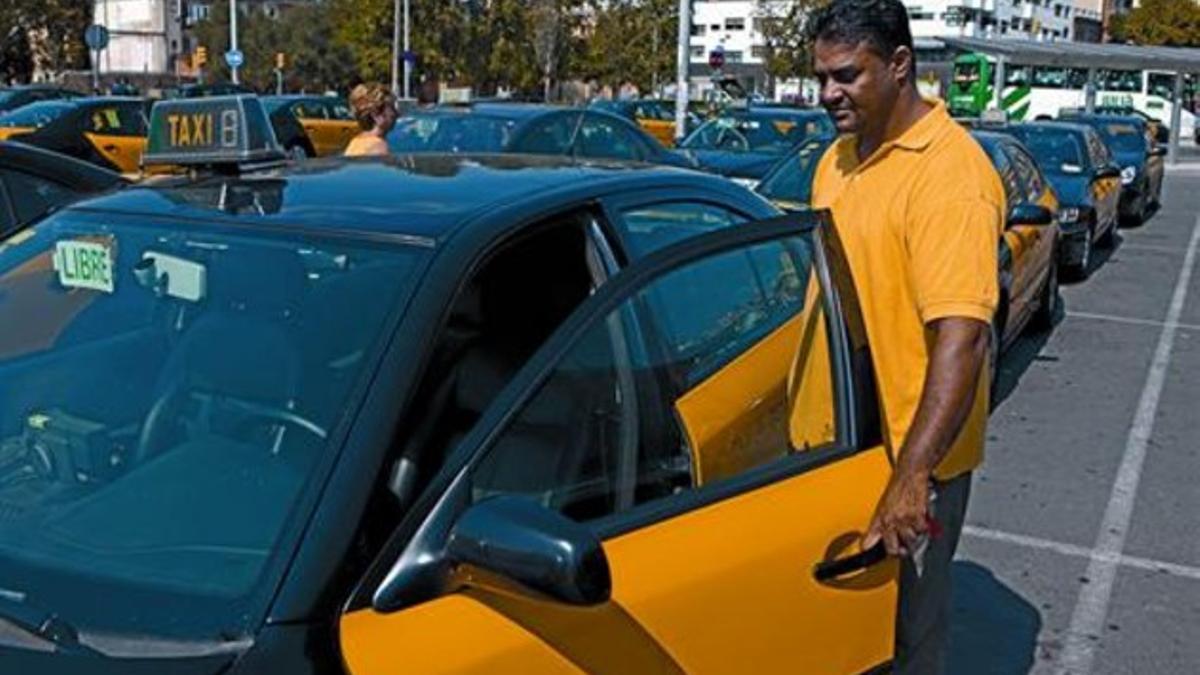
(220, 130)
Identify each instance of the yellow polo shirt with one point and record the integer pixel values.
(920, 220)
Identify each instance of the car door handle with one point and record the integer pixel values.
(832, 569)
(111, 148)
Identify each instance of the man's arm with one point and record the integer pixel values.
(960, 350)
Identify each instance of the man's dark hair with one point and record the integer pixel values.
(881, 24)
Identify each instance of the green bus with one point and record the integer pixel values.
(972, 83)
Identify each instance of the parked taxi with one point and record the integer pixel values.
(469, 413)
(107, 131)
(34, 182)
(326, 120)
(656, 117)
(1087, 181)
(1029, 247)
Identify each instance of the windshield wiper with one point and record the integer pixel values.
(44, 625)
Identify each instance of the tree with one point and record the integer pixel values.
(631, 41)
(1172, 23)
(42, 33)
(787, 51)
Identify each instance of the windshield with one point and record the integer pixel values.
(451, 132)
(1052, 147)
(35, 115)
(171, 396)
(1123, 137)
(791, 180)
(966, 73)
(756, 132)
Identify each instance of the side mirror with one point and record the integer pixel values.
(1030, 214)
(1156, 151)
(540, 549)
(1162, 135)
(1109, 171)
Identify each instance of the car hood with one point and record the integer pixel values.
(734, 164)
(1134, 159)
(1072, 189)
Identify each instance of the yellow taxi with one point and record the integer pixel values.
(655, 117)
(435, 413)
(1029, 247)
(106, 131)
(326, 120)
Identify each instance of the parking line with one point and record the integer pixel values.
(1091, 609)
(1072, 550)
(1130, 320)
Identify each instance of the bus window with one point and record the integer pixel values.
(1016, 76)
(1077, 78)
(1120, 80)
(1050, 78)
(966, 74)
(1161, 85)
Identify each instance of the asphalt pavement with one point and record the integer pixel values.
(1082, 548)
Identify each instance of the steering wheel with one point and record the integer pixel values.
(162, 421)
(733, 139)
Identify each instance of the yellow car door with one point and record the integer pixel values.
(328, 134)
(117, 133)
(1035, 241)
(669, 486)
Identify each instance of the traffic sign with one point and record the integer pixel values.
(716, 58)
(96, 37)
(409, 56)
(234, 58)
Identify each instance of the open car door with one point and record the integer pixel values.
(677, 482)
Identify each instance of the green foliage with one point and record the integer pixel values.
(788, 52)
(632, 41)
(1172, 23)
(45, 32)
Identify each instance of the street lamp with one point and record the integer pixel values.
(400, 9)
(233, 36)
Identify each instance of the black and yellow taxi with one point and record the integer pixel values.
(745, 142)
(1087, 181)
(106, 131)
(34, 182)
(452, 413)
(657, 117)
(1029, 247)
(326, 120)
(1132, 145)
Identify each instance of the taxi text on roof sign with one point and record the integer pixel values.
(224, 130)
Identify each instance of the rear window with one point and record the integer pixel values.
(1052, 147)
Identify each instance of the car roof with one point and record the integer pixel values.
(1106, 117)
(1065, 125)
(75, 173)
(514, 111)
(423, 195)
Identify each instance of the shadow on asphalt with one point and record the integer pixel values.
(1017, 359)
(993, 629)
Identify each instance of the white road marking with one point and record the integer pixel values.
(1091, 609)
(1131, 320)
(1072, 550)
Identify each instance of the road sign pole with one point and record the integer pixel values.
(396, 48)
(407, 52)
(233, 43)
(682, 61)
(95, 70)
(1176, 120)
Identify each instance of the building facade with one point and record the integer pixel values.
(146, 36)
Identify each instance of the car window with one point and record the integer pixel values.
(550, 135)
(647, 228)
(451, 132)
(8, 219)
(116, 120)
(340, 111)
(791, 180)
(33, 196)
(309, 110)
(1027, 172)
(600, 137)
(605, 432)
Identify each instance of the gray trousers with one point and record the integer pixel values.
(923, 615)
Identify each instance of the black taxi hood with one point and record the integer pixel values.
(424, 195)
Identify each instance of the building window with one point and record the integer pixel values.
(698, 52)
(715, 27)
(699, 30)
(735, 23)
(733, 57)
(758, 51)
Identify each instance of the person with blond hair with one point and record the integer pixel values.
(375, 109)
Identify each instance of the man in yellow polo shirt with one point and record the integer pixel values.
(919, 211)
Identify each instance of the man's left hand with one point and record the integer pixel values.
(901, 516)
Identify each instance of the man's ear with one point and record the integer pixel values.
(901, 65)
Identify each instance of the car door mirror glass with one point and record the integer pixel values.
(533, 546)
(1030, 214)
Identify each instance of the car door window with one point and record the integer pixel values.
(33, 196)
(1013, 190)
(551, 135)
(1031, 181)
(8, 219)
(648, 402)
(649, 227)
(604, 138)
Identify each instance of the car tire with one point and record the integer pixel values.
(1079, 271)
(1047, 311)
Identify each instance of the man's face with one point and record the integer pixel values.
(858, 86)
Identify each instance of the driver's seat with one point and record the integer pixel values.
(238, 354)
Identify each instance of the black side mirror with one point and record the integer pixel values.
(1109, 171)
(1162, 135)
(540, 549)
(1156, 151)
(1030, 214)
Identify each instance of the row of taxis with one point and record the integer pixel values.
(110, 131)
(433, 413)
